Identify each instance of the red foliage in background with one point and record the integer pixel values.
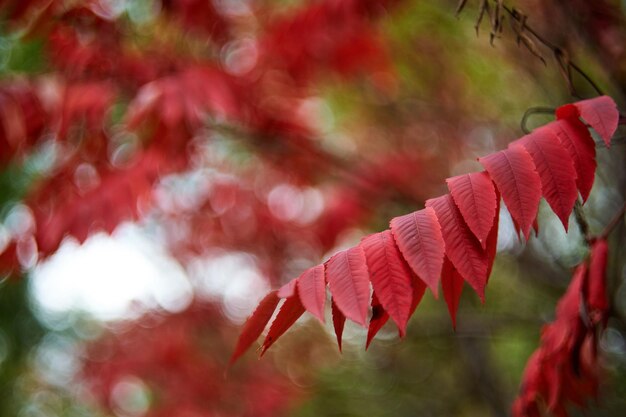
(178, 360)
(564, 370)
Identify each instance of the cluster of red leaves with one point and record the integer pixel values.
(96, 62)
(21, 119)
(564, 369)
(179, 360)
(453, 239)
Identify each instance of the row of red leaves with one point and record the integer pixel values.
(453, 239)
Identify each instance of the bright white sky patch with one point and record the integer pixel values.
(232, 278)
(107, 275)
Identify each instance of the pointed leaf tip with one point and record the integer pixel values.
(339, 320)
(377, 321)
(452, 287)
(288, 289)
(255, 325)
(289, 312)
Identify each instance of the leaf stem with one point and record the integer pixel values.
(532, 111)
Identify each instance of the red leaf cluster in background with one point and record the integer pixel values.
(564, 369)
(454, 238)
(169, 93)
(22, 119)
(178, 358)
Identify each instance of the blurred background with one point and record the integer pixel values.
(165, 163)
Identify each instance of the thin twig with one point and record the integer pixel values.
(586, 77)
(556, 50)
(616, 220)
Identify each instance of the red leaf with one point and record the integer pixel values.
(419, 288)
(288, 289)
(312, 290)
(600, 112)
(597, 298)
(556, 170)
(255, 324)
(390, 276)
(349, 285)
(462, 248)
(513, 172)
(289, 312)
(377, 321)
(452, 286)
(339, 320)
(419, 238)
(575, 137)
(475, 196)
(569, 304)
(492, 239)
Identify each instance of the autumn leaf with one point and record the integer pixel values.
(513, 172)
(555, 169)
(419, 238)
(255, 324)
(475, 196)
(349, 284)
(390, 276)
(600, 112)
(575, 137)
(462, 248)
(289, 312)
